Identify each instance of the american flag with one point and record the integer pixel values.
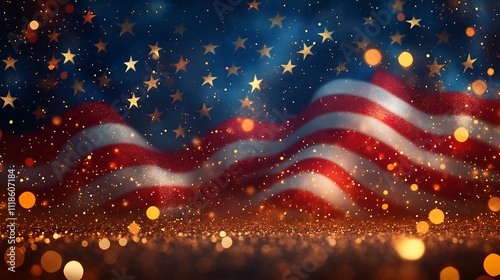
(334, 109)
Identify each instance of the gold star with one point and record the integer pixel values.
(306, 51)
(39, 113)
(254, 5)
(468, 63)
(101, 46)
(133, 101)
(396, 38)
(88, 17)
(180, 131)
(53, 63)
(209, 48)
(155, 49)
(103, 80)
(10, 62)
(126, 26)
(246, 103)
(155, 116)
(368, 20)
(204, 111)
(77, 87)
(239, 43)
(232, 70)
(363, 44)
(398, 5)
(54, 36)
(326, 35)
(255, 83)
(288, 67)
(435, 68)
(443, 38)
(177, 96)
(277, 20)
(8, 100)
(180, 30)
(265, 51)
(414, 22)
(130, 64)
(181, 65)
(151, 83)
(208, 79)
(341, 67)
(68, 56)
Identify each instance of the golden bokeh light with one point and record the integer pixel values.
(34, 25)
(461, 134)
(491, 264)
(410, 249)
(51, 261)
(153, 213)
(436, 216)
(479, 87)
(373, 57)
(134, 228)
(449, 273)
(56, 120)
(490, 71)
(494, 204)
(470, 31)
(385, 206)
(405, 59)
(73, 270)
(414, 187)
(27, 200)
(123, 241)
(422, 227)
(247, 125)
(104, 244)
(226, 242)
(18, 258)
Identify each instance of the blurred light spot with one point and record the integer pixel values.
(470, 31)
(34, 25)
(490, 71)
(85, 243)
(19, 257)
(36, 270)
(494, 204)
(153, 213)
(56, 120)
(27, 200)
(461, 134)
(51, 261)
(29, 162)
(436, 216)
(373, 57)
(479, 87)
(405, 59)
(73, 270)
(104, 244)
(422, 227)
(414, 187)
(491, 264)
(449, 273)
(134, 228)
(226, 242)
(401, 17)
(385, 206)
(410, 248)
(247, 125)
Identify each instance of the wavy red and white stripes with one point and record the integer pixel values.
(357, 146)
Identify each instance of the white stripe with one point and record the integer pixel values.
(436, 124)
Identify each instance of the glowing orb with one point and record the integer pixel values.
(491, 264)
(479, 87)
(494, 204)
(153, 213)
(405, 59)
(27, 200)
(410, 248)
(51, 261)
(436, 216)
(247, 125)
(470, 31)
(449, 273)
(422, 227)
(34, 25)
(373, 57)
(73, 270)
(461, 134)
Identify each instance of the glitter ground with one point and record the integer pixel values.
(258, 250)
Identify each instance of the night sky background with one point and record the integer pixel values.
(51, 90)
